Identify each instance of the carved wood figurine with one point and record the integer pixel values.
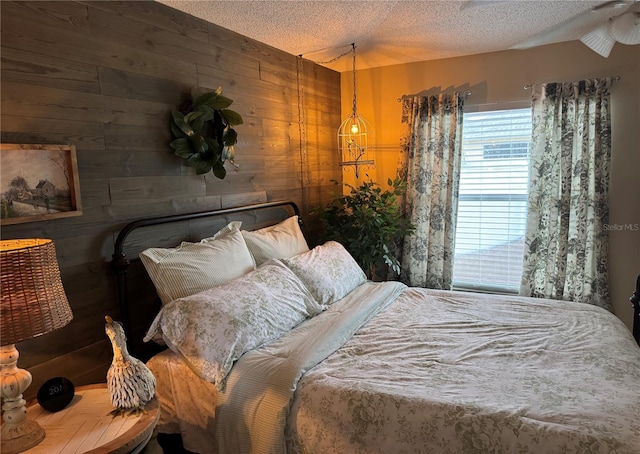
(130, 383)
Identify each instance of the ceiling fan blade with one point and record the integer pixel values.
(475, 3)
(626, 28)
(580, 21)
(613, 4)
(555, 33)
(599, 40)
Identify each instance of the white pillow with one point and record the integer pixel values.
(328, 271)
(278, 241)
(194, 267)
(212, 329)
(224, 231)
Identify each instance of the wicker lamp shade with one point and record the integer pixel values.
(33, 298)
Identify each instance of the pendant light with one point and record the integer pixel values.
(353, 135)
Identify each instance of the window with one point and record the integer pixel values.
(505, 150)
(492, 204)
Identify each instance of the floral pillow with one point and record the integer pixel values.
(278, 241)
(194, 267)
(328, 271)
(212, 329)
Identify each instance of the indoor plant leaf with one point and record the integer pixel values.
(182, 148)
(191, 116)
(213, 100)
(220, 102)
(177, 132)
(199, 143)
(230, 137)
(203, 167)
(184, 153)
(179, 143)
(206, 115)
(204, 99)
(183, 125)
(219, 170)
(231, 118)
(213, 145)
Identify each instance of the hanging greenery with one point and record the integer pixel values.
(204, 134)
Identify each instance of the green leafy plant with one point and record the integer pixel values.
(369, 223)
(203, 133)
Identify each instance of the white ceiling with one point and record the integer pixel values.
(388, 32)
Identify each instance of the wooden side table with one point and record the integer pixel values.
(85, 425)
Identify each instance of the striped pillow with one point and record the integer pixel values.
(194, 267)
(278, 241)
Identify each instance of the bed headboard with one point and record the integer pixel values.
(137, 297)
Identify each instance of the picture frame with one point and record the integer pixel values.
(38, 182)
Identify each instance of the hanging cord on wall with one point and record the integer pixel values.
(353, 49)
(302, 132)
(302, 124)
(334, 59)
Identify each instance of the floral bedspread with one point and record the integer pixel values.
(446, 372)
(251, 412)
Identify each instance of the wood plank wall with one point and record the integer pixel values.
(103, 76)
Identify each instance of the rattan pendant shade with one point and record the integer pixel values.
(33, 298)
(354, 135)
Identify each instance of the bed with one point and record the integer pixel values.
(301, 353)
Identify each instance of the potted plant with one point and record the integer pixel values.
(203, 133)
(369, 223)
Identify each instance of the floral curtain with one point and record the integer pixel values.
(566, 242)
(430, 164)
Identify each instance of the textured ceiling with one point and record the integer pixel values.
(388, 32)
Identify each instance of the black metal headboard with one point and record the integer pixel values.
(121, 263)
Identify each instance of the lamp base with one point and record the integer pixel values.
(20, 437)
(18, 433)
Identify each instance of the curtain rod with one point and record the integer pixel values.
(467, 93)
(613, 78)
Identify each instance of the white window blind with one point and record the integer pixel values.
(492, 205)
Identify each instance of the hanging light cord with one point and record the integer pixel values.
(302, 129)
(353, 49)
(332, 60)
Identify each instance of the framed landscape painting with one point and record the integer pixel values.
(38, 182)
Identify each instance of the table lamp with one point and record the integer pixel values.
(33, 303)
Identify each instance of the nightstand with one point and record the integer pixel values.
(85, 425)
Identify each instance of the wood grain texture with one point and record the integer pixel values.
(38, 69)
(103, 76)
(157, 15)
(85, 425)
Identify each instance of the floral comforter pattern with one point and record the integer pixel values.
(446, 372)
